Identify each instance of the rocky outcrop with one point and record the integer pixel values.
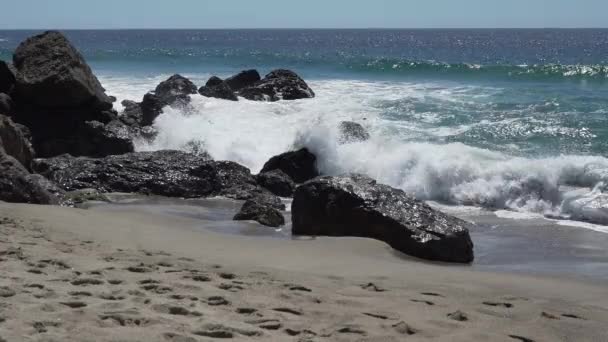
(175, 90)
(278, 85)
(17, 185)
(15, 142)
(243, 79)
(277, 182)
(7, 78)
(352, 132)
(300, 165)
(59, 99)
(53, 74)
(355, 205)
(261, 213)
(217, 88)
(165, 173)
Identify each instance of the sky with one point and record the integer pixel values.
(108, 14)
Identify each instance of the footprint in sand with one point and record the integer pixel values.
(230, 287)
(126, 319)
(174, 310)
(572, 316)
(372, 287)
(289, 311)
(246, 311)
(521, 338)
(548, 315)
(6, 292)
(499, 304)
(266, 323)
(295, 287)
(74, 305)
(352, 329)
(427, 302)
(173, 337)
(42, 326)
(432, 294)
(404, 328)
(217, 301)
(458, 316)
(223, 331)
(86, 281)
(382, 315)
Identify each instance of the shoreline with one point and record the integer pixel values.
(334, 270)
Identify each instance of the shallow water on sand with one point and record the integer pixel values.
(531, 245)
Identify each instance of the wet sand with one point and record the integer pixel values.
(136, 275)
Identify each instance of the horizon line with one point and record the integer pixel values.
(300, 28)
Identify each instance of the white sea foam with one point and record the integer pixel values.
(251, 132)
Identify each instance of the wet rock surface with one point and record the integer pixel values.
(261, 213)
(355, 205)
(280, 84)
(277, 182)
(218, 88)
(300, 165)
(352, 132)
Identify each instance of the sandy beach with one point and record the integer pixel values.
(85, 275)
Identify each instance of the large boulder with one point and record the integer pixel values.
(217, 88)
(98, 139)
(175, 89)
(355, 205)
(243, 79)
(261, 213)
(14, 141)
(277, 182)
(7, 78)
(17, 185)
(165, 173)
(300, 165)
(53, 74)
(278, 85)
(352, 132)
(60, 100)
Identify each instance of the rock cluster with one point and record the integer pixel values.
(61, 142)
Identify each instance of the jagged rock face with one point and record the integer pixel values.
(17, 185)
(352, 132)
(278, 85)
(217, 88)
(261, 213)
(300, 165)
(7, 78)
(165, 173)
(277, 182)
(176, 88)
(51, 73)
(243, 79)
(15, 142)
(355, 205)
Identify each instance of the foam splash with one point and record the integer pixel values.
(399, 153)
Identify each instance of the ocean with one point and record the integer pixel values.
(510, 121)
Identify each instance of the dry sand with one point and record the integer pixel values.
(79, 275)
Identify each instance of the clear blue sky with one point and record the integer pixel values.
(62, 14)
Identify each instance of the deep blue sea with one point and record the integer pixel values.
(494, 118)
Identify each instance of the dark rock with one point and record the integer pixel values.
(243, 79)
(151, 106)
(52, 73)
(300, 165)
(99, 140)
(352, 132)
(6, 104)
(133, 114)
(279, 84)
(355, 205)
(277, 182)
(217, 88)
(7, 78)
(263, 214)
(176, 89)
(165, 173)
(17, 185)
(14, 142)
